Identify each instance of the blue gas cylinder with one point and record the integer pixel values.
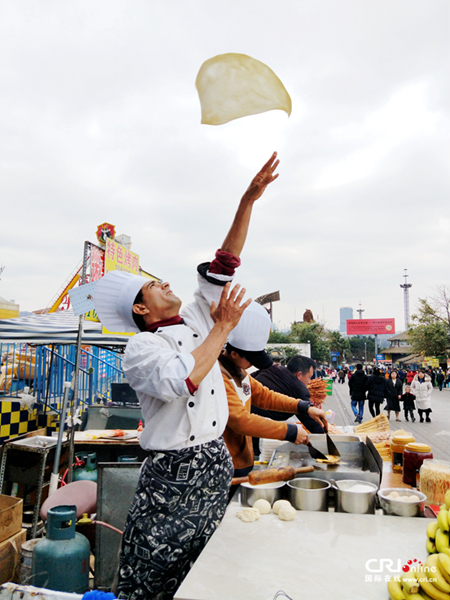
(61, 560)
(89, 471)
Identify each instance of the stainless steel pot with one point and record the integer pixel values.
(355, 496)
(309, 493)
(267, 491)
(400, 507)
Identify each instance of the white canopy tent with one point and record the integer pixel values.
(57, 328)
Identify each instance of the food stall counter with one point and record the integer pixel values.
(318, 555)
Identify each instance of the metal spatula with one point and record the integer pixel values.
(330, 444)
(314, 453)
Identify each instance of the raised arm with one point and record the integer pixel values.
(226, 315)
(235, 239)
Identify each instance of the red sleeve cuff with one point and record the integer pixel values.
(224, 263)
(191, 387)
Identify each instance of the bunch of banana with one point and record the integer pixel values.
(431, 581)
(438, 531)
(434, 577)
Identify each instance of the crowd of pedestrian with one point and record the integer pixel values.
(411, 389)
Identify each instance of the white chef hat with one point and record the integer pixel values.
(249, 337)
(114, 296)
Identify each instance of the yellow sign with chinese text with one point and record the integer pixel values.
(119, 258)
(430, 361)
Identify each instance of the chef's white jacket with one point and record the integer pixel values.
(157, 365)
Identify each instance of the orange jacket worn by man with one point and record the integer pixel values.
(245, 347)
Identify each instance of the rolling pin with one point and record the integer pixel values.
(271, 475)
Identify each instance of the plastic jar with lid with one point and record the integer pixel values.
(413, 457)
(398, 444)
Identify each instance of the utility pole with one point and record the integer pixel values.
(406, 287)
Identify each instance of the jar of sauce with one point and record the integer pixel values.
(398, 444)
(413, 457)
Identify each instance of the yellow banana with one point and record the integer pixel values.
(442, 520)
(424, 596)
(409, 582)
(431, 548)
(412, 596)
(441, 541)
(436, 574)
(431, 529)
(447, 499)
(444, 565)
(395, 590)
(430, 589)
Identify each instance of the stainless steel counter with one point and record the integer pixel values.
(318, 555)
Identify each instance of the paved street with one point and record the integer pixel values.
(436, 433)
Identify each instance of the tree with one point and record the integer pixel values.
(316, 335)
(276, 337)
(338, 343)
(429, 332)
(362, 346)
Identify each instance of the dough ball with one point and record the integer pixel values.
(412, 498)
(248, 515)
(287, 513)
(263, 506)
(279, 504)
(393, 495)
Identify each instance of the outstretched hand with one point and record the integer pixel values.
(229, 310)
(262, 179)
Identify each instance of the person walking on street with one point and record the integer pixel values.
(432, 374)
(422, 388)
(393, 394)
(376, 392)
(358, 386)
(410, 376)
(440, 377)
(341, 375)
(408, 404)
(447, 378)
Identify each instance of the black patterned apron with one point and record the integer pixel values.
(179, 502)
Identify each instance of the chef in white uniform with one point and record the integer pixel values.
(172, 365)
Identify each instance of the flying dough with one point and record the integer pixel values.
(233, 85)
(263, 506)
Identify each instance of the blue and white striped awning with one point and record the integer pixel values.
(57, 328)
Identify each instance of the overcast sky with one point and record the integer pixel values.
(100, 121)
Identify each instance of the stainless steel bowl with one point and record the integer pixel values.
(400, 507)
(351, 497)
(308, 493)
(267, 491)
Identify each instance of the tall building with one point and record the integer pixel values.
(345, 312)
